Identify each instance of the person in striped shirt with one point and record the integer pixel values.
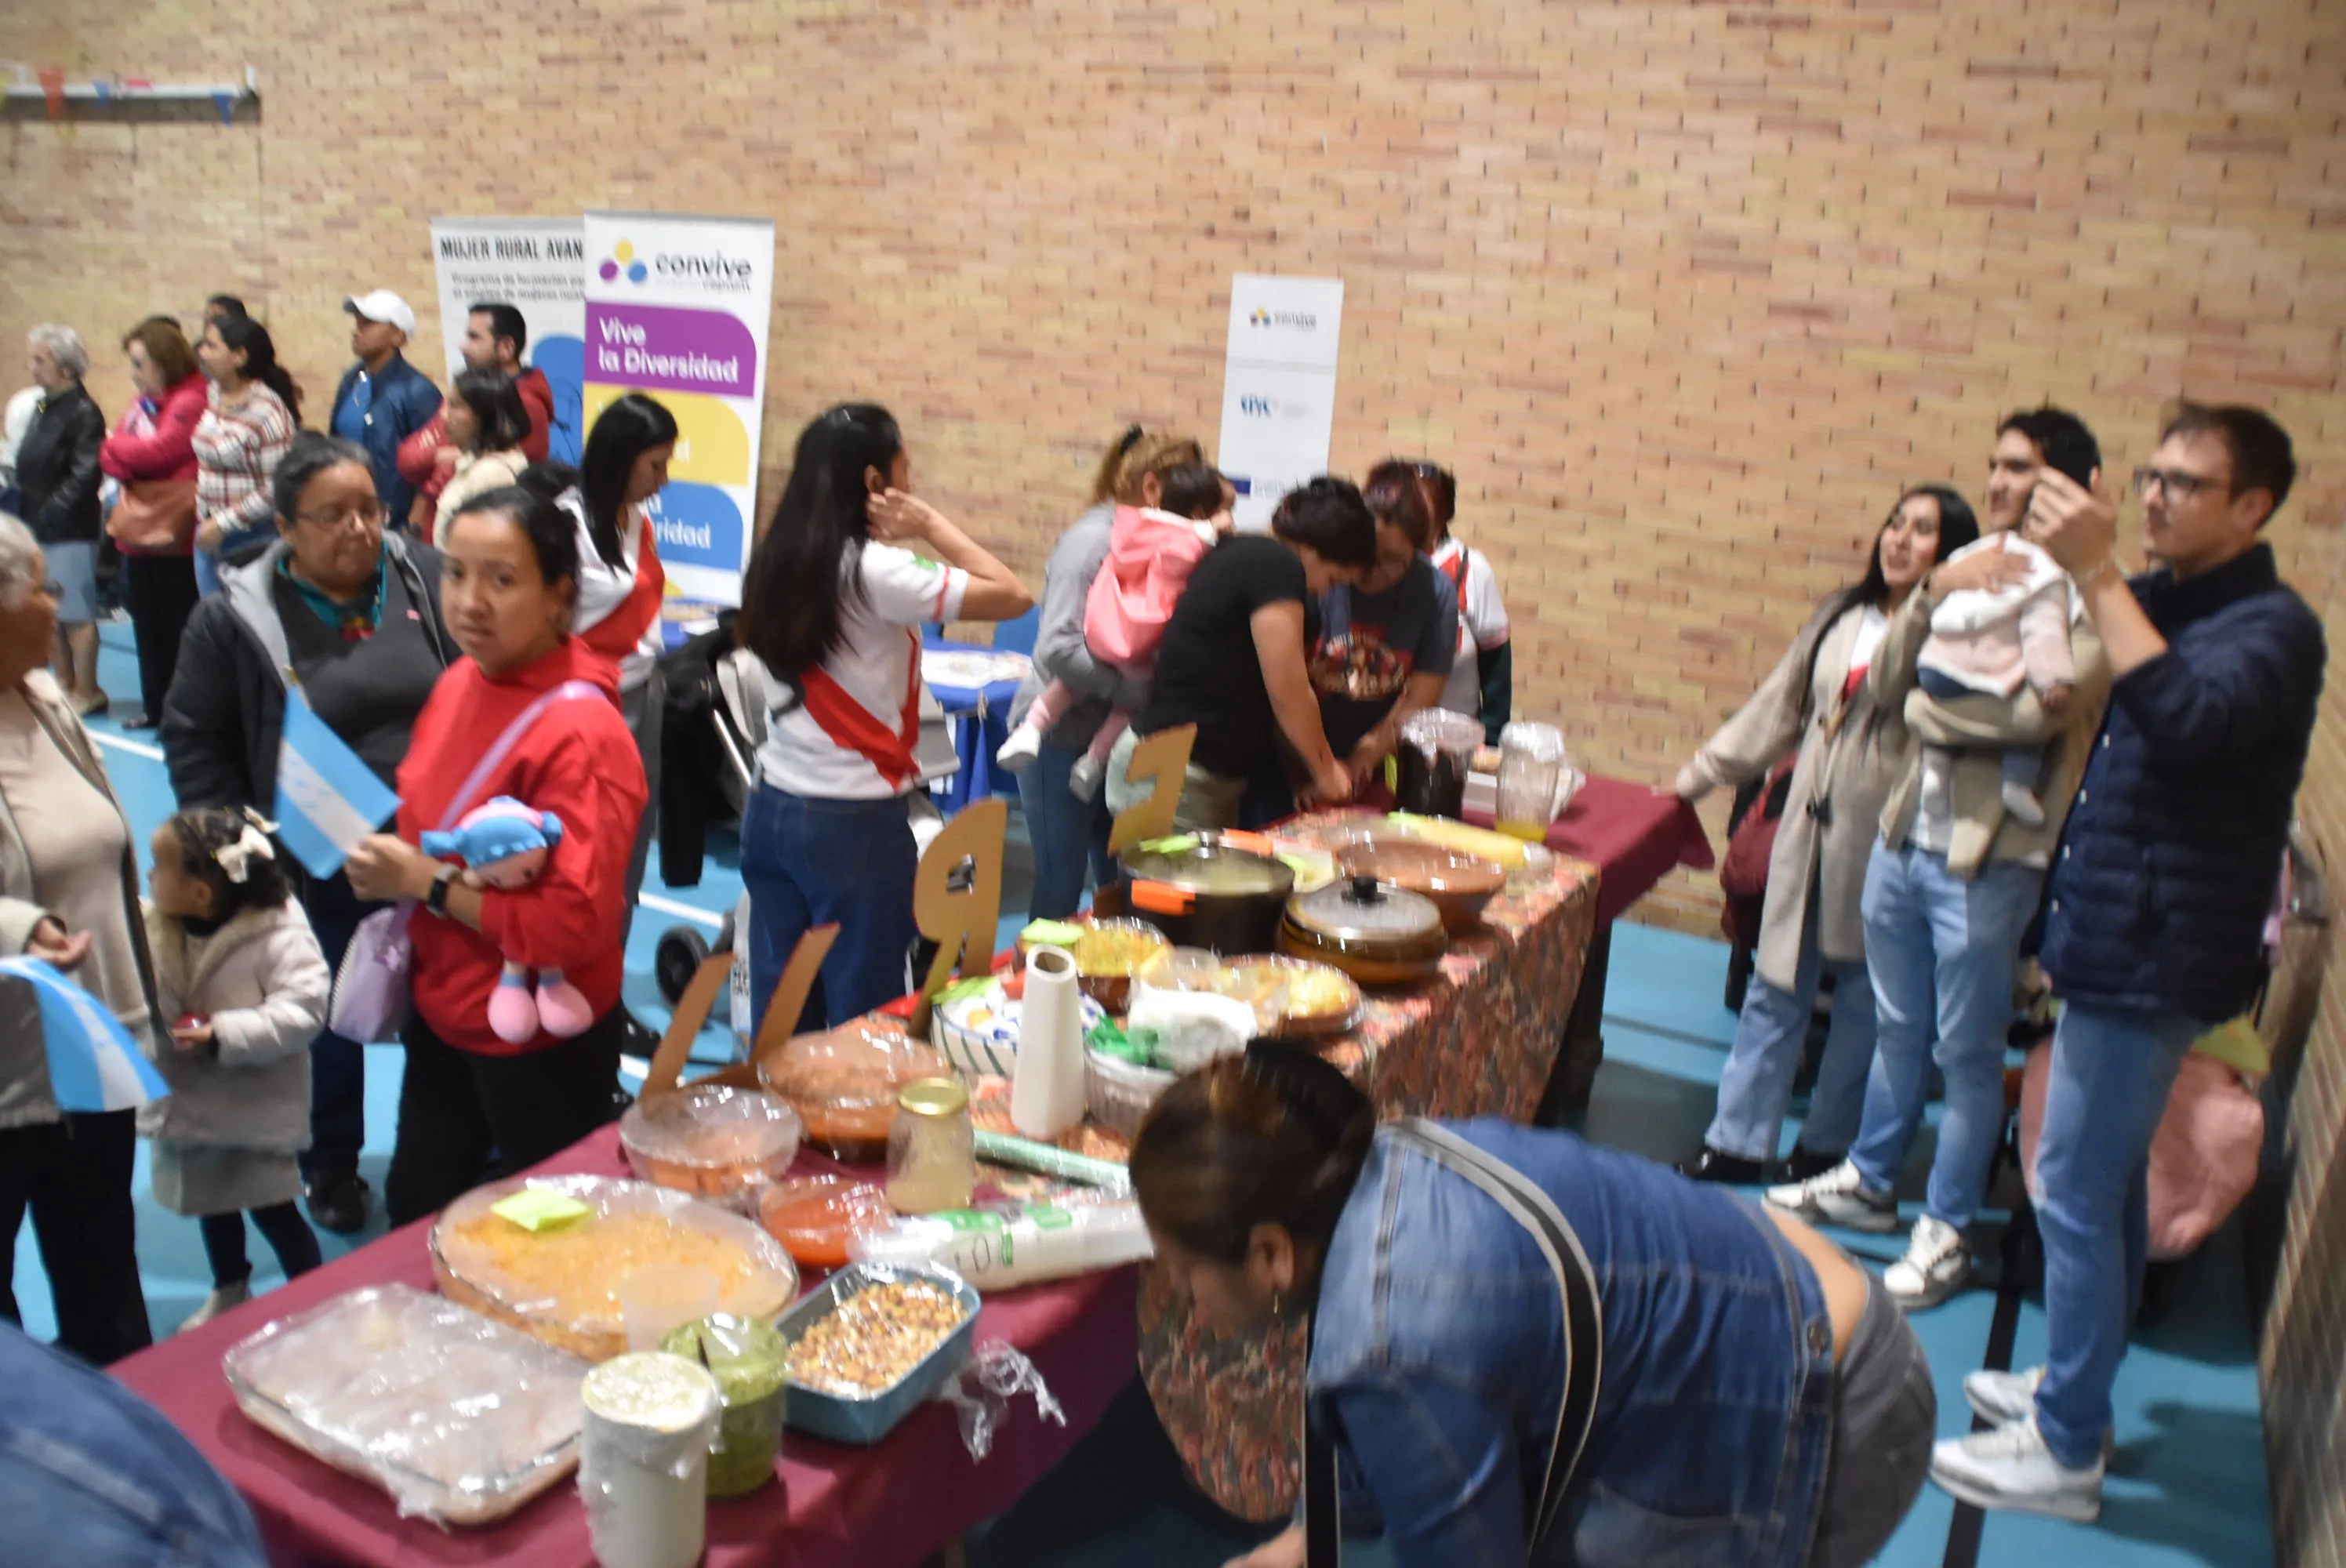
(250, 417)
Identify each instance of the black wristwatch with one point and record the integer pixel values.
(437, 901)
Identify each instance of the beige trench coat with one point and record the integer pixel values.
(1845, 773)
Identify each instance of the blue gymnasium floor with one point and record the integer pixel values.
(2186, 1487)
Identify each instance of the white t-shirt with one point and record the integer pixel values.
(603, 588)
(1481, 621)
(862, 704)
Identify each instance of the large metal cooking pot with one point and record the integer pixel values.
(1214, 891)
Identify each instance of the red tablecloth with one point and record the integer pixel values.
(1633, 835)
(891, 1504)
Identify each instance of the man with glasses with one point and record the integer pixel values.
(2154, 914)
(382, 400)
(353, 612)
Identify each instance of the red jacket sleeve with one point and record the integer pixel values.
(416, 454)
(589, 776)
(537, 398)
(170, 450)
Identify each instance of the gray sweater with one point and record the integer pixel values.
(1060, 652)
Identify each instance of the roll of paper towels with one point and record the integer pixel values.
(1046, 1085)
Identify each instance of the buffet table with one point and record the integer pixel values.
(891, 1504)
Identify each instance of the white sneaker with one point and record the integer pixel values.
(1018, 754)
(1937, 1264)
(1084, 776)
(1839, 1197)
(2001, 1398)
(2010, 1468)
(222, 1298)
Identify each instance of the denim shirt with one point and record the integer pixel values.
(1437, 1357)
(91, 1474)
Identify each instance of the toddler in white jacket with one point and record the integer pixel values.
(1984, 644)
(243, 985)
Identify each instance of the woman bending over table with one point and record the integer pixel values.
(1234, 664)
(833, 602)
(1819, 710)
(1527, 1348)
(509, 582)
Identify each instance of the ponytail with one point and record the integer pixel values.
(1274, 1136)
(242, 334)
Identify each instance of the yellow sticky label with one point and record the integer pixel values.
(536, 1209)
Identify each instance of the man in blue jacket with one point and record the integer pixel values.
(2155, 908)
(383, 399)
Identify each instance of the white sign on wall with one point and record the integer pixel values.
(537, 264)
(1279, 387)
(678, 309)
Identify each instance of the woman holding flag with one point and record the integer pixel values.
(833, 602)
(68, 897)
(355, 613)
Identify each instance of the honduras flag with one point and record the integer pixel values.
(94, 1064)
(328, 801)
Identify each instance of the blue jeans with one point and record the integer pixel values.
(2113, 1069)
(1757, 1084)
(1067, 833)
(1942, 951)
(809, 863)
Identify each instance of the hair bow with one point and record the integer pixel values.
(236, 859)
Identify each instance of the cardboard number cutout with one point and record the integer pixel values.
(1164, 757)
(708, 983)
(962, 921)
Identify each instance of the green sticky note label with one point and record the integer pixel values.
(970, 1220)
(1051, 933)
(1046, 1217)
(1172, 845)
(536, 1209)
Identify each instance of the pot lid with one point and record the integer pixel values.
(1364, 909)
(1208, 865)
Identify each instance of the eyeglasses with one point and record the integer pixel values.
(2178, 484)
(368, 516)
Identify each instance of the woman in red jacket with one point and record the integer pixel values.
(153, 453)
(509, 583)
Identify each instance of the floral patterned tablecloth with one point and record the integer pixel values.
(1480, 1040)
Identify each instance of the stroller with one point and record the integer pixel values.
(719, 694)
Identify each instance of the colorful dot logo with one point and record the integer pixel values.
(1262, 318)
(623, 258)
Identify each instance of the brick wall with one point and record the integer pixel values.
(2303, 1355)
(1686, 293)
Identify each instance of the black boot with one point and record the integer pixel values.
(1712, 1166)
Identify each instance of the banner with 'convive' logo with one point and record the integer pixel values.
(1279, 387)
(678, 309)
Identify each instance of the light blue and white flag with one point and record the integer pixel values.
(328, 800)
(94, 1064)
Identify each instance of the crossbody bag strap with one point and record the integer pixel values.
(494, 758)
(1584, 1317)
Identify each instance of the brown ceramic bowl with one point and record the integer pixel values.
(1460, 885)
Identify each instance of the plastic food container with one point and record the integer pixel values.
(1310, 1000)
(843, 1084)
(816, 1218)
(746, 1358)
(562, 1285)
(387, 1383)
(723, 1144)
(1117, 1094)
(868, 1418)
(1460, 884)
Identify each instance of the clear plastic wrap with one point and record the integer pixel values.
(843, 1084)
(712, 1141)
(650, 1417)
(1002, 1249)
(751, 1366)
(981, 1393)
(562, 1285)
(462, 1420)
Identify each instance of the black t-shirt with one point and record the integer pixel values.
(1207, 673)
(1371, 644)
(368, 689)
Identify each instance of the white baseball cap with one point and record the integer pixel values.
(383, 306)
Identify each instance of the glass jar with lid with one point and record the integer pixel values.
(931, 1148)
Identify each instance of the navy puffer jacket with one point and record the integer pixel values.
(2168, 865)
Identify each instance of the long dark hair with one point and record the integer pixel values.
(1274, 1136)
(622, 434)
(1958, 527)
(242, 334)
(799, 581)
(500, 422)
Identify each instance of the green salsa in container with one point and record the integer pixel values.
(751, 1366)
